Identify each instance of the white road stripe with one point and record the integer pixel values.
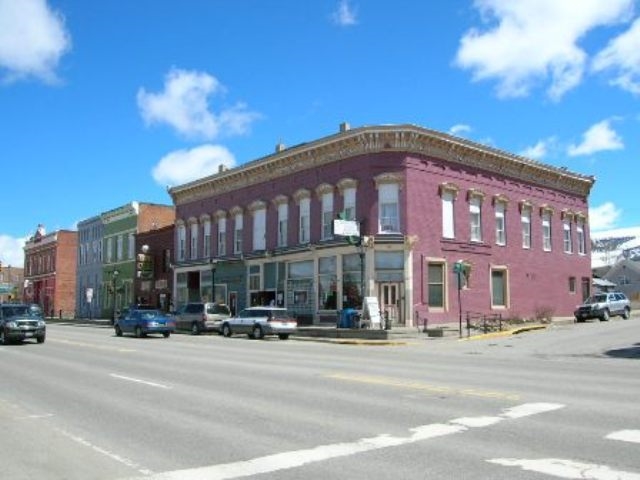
(298, 458)
(138, 380)
(625, 436)
(561, 468)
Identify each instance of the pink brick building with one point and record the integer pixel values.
(262, 232)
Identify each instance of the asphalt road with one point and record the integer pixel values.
(557, 403)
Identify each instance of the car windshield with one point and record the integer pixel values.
(223, 309)
(597, 298)
(17, 310)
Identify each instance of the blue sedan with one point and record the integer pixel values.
(143, 322)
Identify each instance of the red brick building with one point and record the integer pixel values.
(154, 279)
(50, 271)
(429, 205)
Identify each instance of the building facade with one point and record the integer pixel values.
(11, 281)
(154, 280)
(89, 273)
(447, 226)
(50, 272)
(119, 250)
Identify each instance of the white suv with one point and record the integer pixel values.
(260, 321)
(603, 306)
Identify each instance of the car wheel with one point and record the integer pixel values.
(579, 320)
(138, 332)
(605, 316)
(283, 336)
(118, 331)
(226, 330)
(3, 338)
(256, 332)
(40, 339)
(166, 334)
(626, 314)
(195, 328)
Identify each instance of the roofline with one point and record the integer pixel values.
(392, 138)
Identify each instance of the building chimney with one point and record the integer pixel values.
(280, 147)
(344, 126)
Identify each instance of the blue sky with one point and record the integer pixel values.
(103, 103)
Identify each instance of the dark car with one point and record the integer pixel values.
(144, 322)
(19, 322)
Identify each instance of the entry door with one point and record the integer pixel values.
(389, 295)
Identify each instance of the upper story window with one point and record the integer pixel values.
(347, 187)
(259, 210)
(566, 229)
(448, 194)
(119, 248)
(206, 246)
(193, 233)
(582, 250)
(182, 242)
(305, 220)
(303, 199)
(500, 208)
(388, 202)
(325, 192)
(131, 249)
(283, 219)
(238, 227)
(546, 228)
(475, 215)
(525, 223)
(222, 234)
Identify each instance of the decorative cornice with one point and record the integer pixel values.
(450, 188)
(408, 139)
(546, 208)
(567, 214)
(300, 194)
(525, 205)
(388, 177)
(500, 198)
(280, 199)
(324, 188)
(345, 183)
(581, 217)
(205, 217)
(220, 214)
(475, 193)
(257, 205)
(236, 210)
(192, 220)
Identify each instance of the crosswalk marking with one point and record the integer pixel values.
(298, 458)
(562, 468)
(625, 435)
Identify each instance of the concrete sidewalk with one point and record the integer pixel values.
(396, 336)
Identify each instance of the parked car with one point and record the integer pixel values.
(144, 322)
(198, 317)
(260, 321)
(19, 322)
(603, 306)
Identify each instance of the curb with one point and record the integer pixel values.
(506, 333)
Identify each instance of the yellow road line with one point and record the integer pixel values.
(423, 387)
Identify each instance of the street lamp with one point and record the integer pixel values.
(114, 277)
(213, 262)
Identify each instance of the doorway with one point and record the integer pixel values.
(390, 299)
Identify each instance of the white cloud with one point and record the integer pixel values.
(182, 166)
(460, 129)
(32, 40)
(622, 55)
(540, 149)
(11, 251)
(531, 41)
(597, 138)
(184, 105)
(345, 15)
(604, 217)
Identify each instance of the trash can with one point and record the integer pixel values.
(347, 317)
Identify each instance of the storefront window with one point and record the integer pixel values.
(351, 281)
(327, 288)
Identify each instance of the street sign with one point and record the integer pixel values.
(346, 228)
(6, 288)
